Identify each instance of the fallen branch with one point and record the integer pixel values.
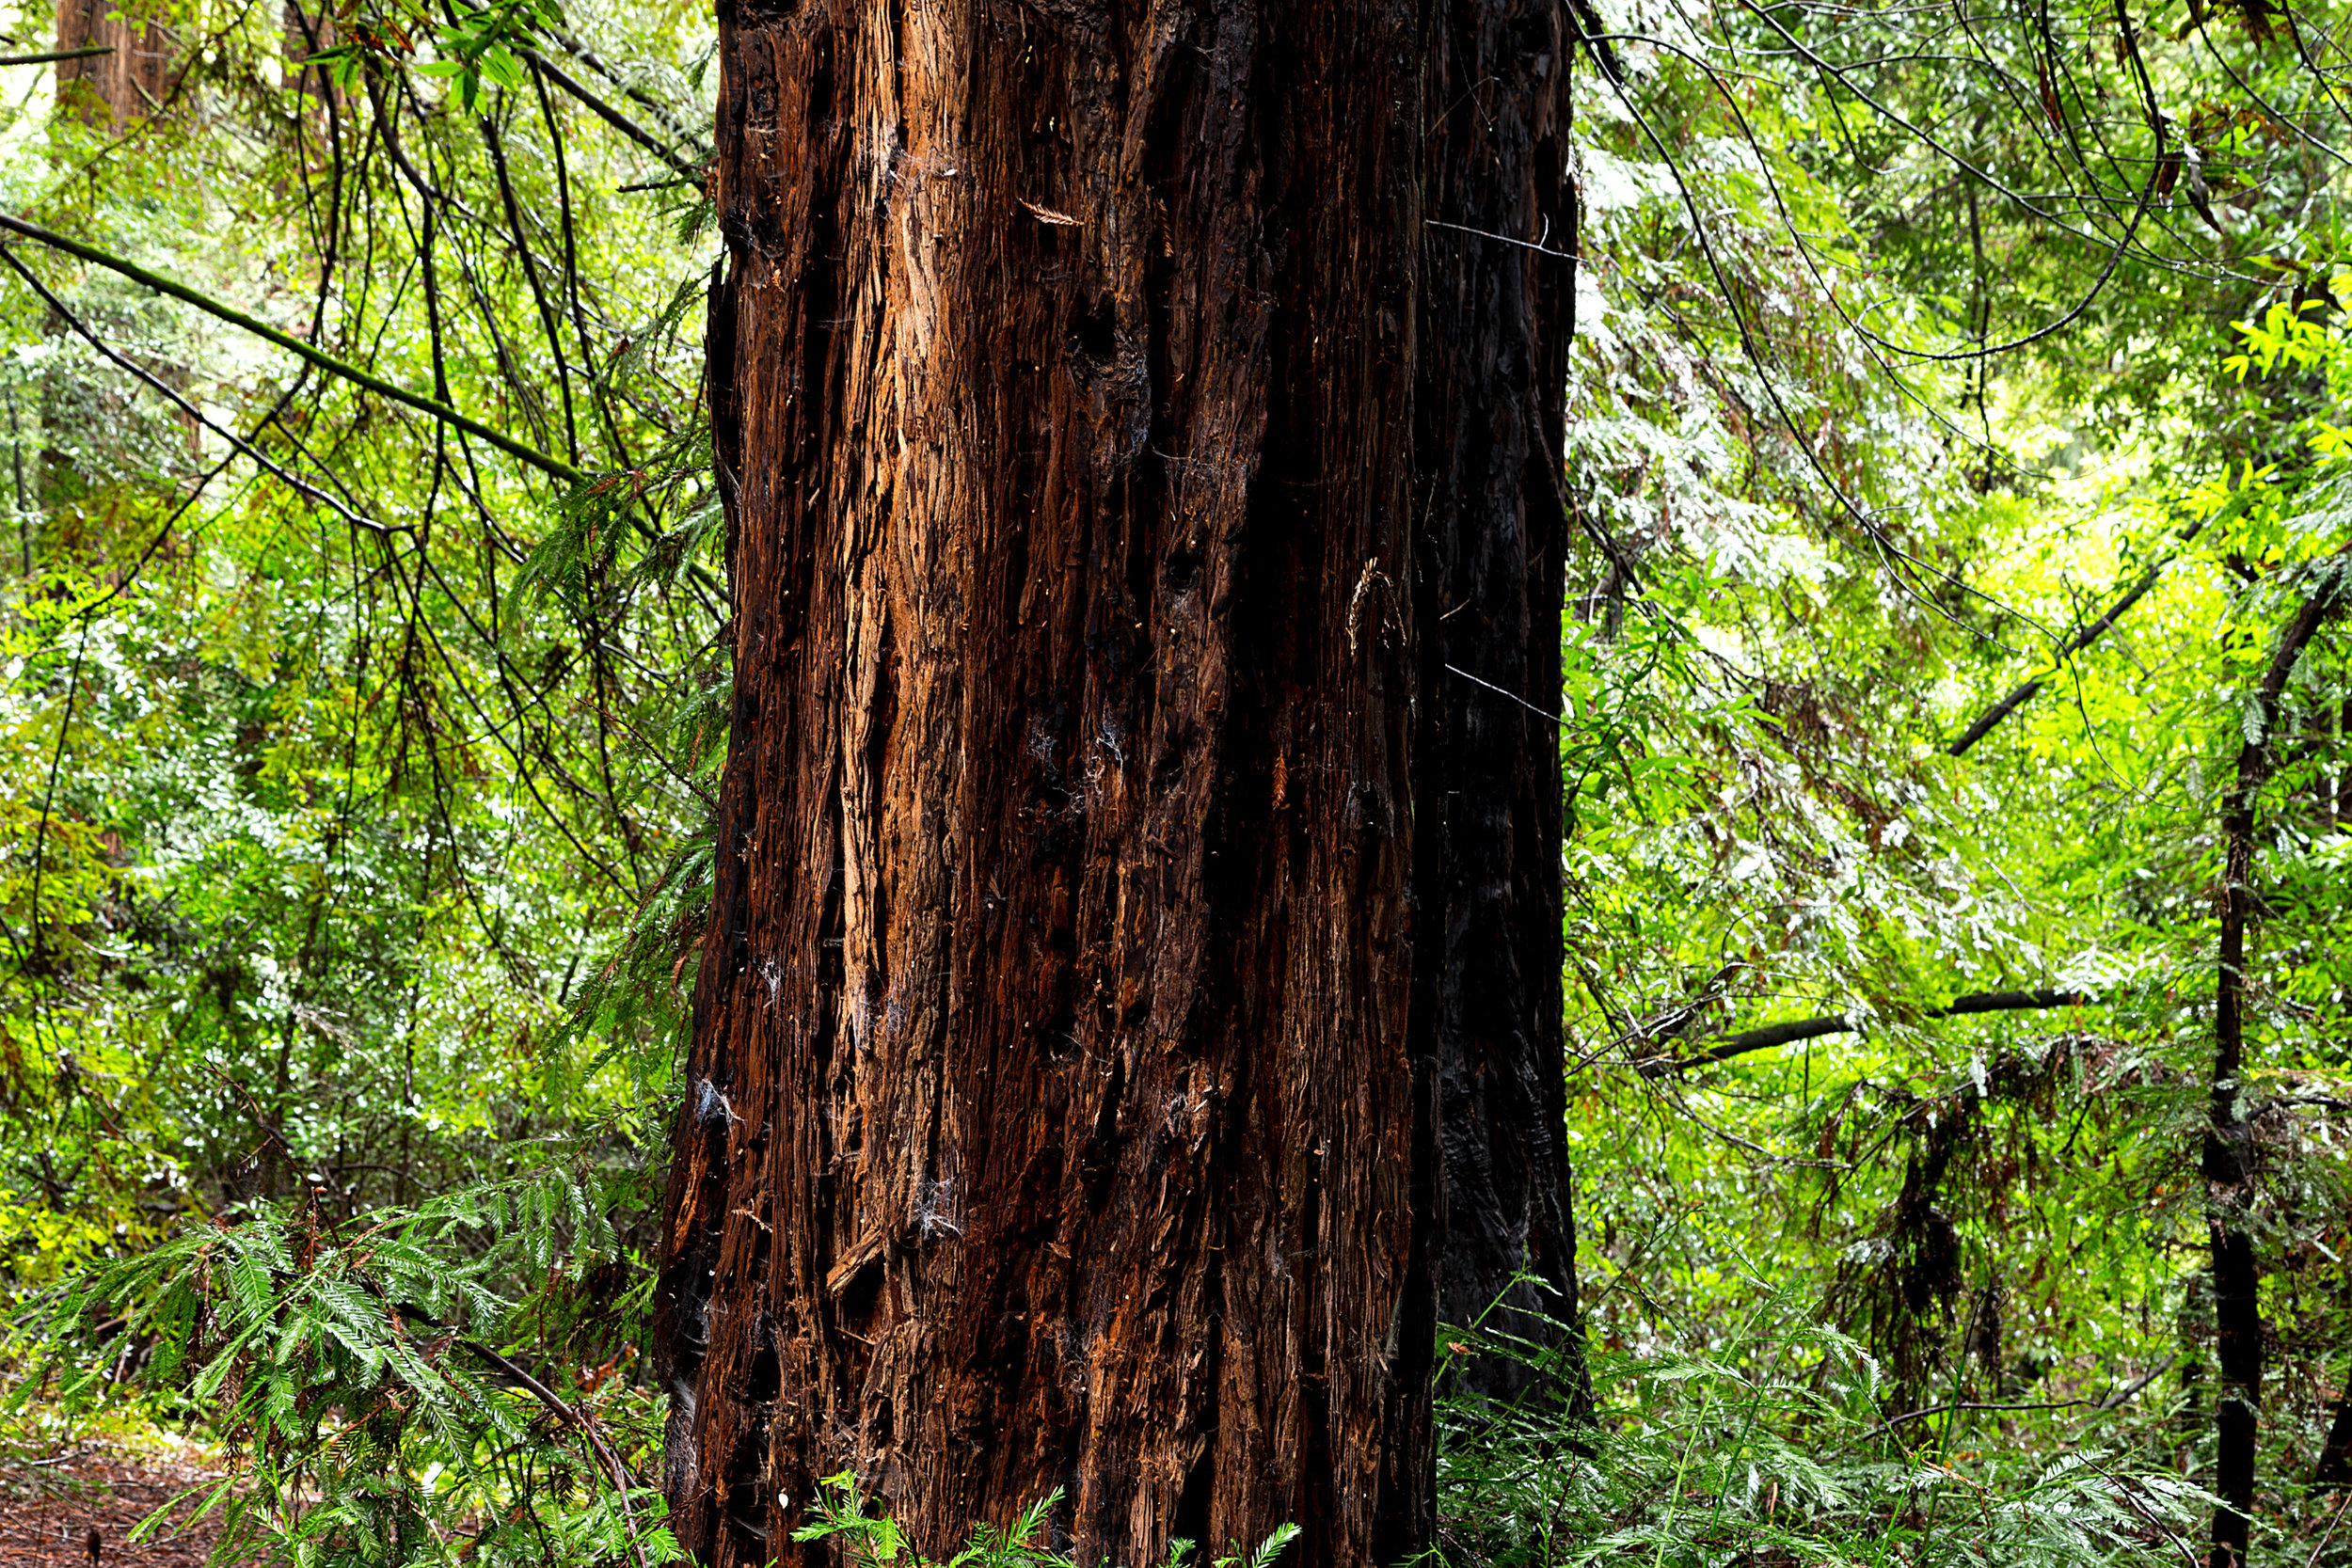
(1973, 1407)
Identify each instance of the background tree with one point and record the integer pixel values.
(117, 66)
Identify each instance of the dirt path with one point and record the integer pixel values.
(48, 1507)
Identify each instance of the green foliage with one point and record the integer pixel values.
(839, 1515)
(1774, 1445)
(2002, 1211)
(476, 45)
(391, 1405)
(329, 813)
(331, 913)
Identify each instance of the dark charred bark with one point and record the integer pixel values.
(1496, 315)
(1055, 1116)
(2228, 1160)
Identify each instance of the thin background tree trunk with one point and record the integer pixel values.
(2227, 1163)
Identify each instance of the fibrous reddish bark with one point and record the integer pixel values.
(1106, 859)
(130, 83)
(1052, 1119)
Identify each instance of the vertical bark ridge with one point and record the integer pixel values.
(1052, 1117)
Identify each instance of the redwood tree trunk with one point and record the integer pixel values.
(129, 84)
(1497, 312)
(1052, 1119)
(1106, 859)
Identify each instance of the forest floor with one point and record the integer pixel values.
(48, 1507)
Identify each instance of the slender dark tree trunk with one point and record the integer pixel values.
(309, 29)
(2228, 1154)
(1053, 1117)
(1496, 315)
(2335, 1456)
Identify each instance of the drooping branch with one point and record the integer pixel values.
(698, 140)
(611, 116)
(242, 445)
(221, 311)
(2089, 634)
(1770, 1034)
